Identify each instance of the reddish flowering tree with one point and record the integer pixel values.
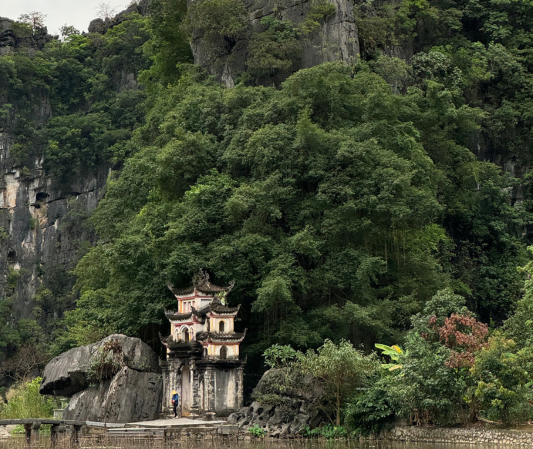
(465, 336)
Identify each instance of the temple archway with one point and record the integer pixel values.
(224, 352)
(185, 334)
(221, 326)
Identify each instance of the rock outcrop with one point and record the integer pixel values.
(102, 25)
(285, 403)
(131, 396)
(11, 41)
(337, 40)
(68, 373)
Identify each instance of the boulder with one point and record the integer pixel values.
(66, 374)
(285, 403)
(97, 26)
(131, 396)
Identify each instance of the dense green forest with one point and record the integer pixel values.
(340, 201)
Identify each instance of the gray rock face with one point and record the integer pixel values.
(9, 41)
(66, 374)
(337, 40)
(41, 220)
(131, 396)
(101, 26)
(282, 412)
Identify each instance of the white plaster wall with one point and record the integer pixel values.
(228, 324)
(214, 350)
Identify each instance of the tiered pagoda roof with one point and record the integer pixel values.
(201, 284)
(215, 307)
(221, 337)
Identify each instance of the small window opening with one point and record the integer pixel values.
(186, 334)
(221, 326)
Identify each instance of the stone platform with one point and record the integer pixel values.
(176, 422)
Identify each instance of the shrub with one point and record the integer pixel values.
(340, 368)
(503, 378)
(257, 431)
(278, 356)
(25, 401)
(370, 411)
(328, 431)
(106, 362)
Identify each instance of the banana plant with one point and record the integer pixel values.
(395, 353)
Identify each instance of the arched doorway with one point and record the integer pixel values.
(224, 352)
(186, 391)
(221, 326)
(185, 334)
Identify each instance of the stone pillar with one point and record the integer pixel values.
(175, 384)
(195, 409)
(166, 386)
(35, 430)
(240, 387)
(75, 436)
(27, 433)
(54, 430)
(209, 385)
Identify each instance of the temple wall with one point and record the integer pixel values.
(217, 390)
(228, 384)
(214, 350)
(228, 324)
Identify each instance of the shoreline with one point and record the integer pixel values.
(233, 436)
(451, 435)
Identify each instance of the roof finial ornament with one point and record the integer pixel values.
(201, 278)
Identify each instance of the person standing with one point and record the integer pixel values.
(175, 402)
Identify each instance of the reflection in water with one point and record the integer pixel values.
(232, 442)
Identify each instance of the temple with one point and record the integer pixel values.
(203, 363)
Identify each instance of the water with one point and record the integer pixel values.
(85, 443)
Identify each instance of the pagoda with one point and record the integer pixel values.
(203, 363)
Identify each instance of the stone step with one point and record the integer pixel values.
(136, 432)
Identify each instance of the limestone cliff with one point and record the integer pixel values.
(337, 39)
(41, 228)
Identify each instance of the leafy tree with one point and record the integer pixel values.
(275, 49)
(278, 356)
(342, 368)
(67, 31)
(168, 47)
(503, 389)
(343, 215)
(428, 389)
(519, 327)
(34, 19)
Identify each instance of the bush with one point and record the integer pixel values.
(257, 431)
(328, 431)
(25, 401)
(503, 390)
(370, 411)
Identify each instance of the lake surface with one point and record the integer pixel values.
(44, 443)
